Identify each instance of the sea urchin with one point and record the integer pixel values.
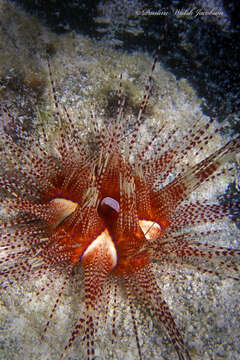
(112, 209)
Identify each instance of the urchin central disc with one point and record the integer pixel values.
(111, 203)
(108, 209)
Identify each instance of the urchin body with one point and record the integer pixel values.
(112, 211)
